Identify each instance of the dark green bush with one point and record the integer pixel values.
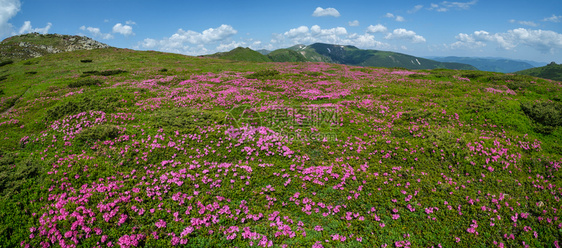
(518, 85)
(4, 77)
(1, 92)
(29, 62)
(163, 70)
(85, 82)
(103, 73)
(6, 62)
(31, 72)
(108, 104)
(187, 120)
(13, 175)
(86, 60)
(547, 115)
(263, 74)
(102, 132)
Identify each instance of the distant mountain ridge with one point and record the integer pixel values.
(489, 64)
(348, 55)
(32, 45)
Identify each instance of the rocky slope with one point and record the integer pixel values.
(34, 45)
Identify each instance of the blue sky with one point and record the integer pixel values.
(515, 29)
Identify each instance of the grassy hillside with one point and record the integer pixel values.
(141, 148)
(241, 54)
(488, 64)
(550, 71)
(286, 55)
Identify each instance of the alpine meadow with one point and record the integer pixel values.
(286, 124)
(114, 147)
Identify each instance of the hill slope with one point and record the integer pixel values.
(150, 149)
(350, 55)
(34, 45)
(551, 71)
(241, 54)
(488, 64)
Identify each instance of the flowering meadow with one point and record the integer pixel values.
(168, 150)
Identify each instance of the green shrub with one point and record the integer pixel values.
(6, 62)
(86, 60)
(4, 77)
(187, 120)
(107, 104)
(103, 73)
(28, 62)
(546, 115)
(1, 92)
(13, 175)
(31, 72)
(263, 74)
(163, 70)
(85, 82)
(518, 85)
(102, 132)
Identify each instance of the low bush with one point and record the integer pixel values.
(103, 73)
(546, 115)
(102, 132)
(108, 104)
(85, 82)
(263, 74)
(517, 85)
(6, 62)
(187, 120)
(30, 72)
(13, 175)
(86, 60)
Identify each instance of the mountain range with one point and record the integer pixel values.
(492, 64)
(347, 55)
(33, 45)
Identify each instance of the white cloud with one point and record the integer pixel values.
(553, 18)
(96, 32)
(125, 30)
(326, 12)
(396, 18)
(376, 29)
(415, 9)
(446, 6)
(27, 28)
(338, 35)
(542, 40)
(404, 34)
(8, 9)
(194, 43)
(353, 23)
(129, 22)
(229, 46)
(527, 23)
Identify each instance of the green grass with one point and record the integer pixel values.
(248, 148)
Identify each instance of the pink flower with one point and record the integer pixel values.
(160, 223)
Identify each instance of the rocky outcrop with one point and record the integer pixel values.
(34, 45)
